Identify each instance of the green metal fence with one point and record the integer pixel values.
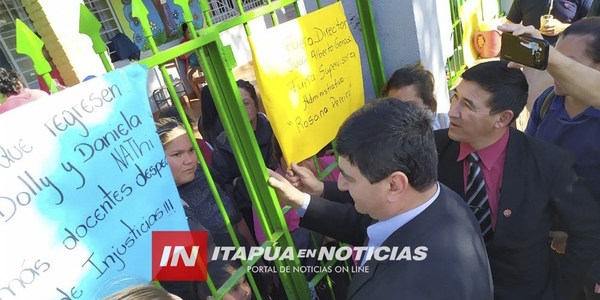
(217, 63)
(455, 64)
(214, 60)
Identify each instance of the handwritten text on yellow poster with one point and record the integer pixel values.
(310, 79)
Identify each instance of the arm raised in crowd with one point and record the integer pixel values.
(576, 79)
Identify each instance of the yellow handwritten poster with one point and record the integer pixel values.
(309, 75)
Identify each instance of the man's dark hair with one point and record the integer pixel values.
(508, 86)
(10, 84)
(388, 135)
(587, 27)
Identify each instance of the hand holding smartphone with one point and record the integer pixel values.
(528, 51)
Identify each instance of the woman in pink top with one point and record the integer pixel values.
(12, 92)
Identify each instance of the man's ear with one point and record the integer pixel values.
(504, 119)
(398, 183)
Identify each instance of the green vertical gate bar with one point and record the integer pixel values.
(241, 137)
(455, 64)
(267, 226)
(365, 14)
(187, 17)
(225, 25)
(90, 26)
(161, 58)
(205, 8)
(234, 118)
(275, 218)
(264, 214)
(297, 9)
(140, 11)
(242, 11)
(316, 279)
(482, 10)
(273, 16)
(261, 213)
(28, 43)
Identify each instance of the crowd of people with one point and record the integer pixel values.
(511, 214)
(503, 214)
(533, 194)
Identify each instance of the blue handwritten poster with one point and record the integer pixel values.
(84, 181)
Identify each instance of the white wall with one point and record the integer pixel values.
(409, 32)
(431, 48)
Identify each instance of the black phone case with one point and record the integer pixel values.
(527, 51)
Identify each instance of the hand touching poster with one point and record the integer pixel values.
(309, 75)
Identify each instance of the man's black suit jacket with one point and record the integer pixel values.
(538, 185)
(456, 266)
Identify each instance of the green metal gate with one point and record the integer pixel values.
(455, 64)
(217, 62)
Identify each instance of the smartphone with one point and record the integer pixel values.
(525, 50)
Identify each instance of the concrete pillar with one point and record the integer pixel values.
(58, 25)
(409, 32)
